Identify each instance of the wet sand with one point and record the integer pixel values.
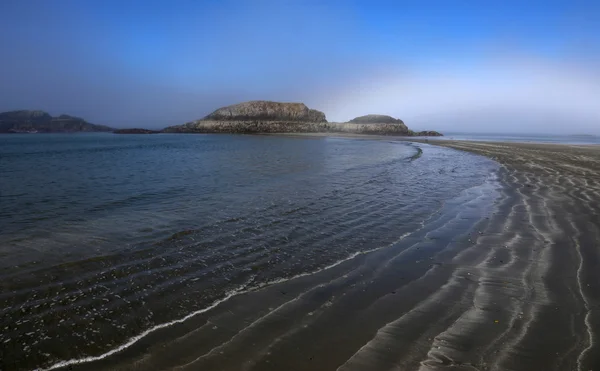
(511, 288)
(553, 228)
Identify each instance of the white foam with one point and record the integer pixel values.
(491, 180)
(241, 290)
(135, 339)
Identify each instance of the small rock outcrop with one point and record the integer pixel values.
(376, 119)
(427, 133)
(260, 110)
(25, 121)
(380, 124)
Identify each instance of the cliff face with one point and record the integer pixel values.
(41, 122)
(267, 111)
(258, 117)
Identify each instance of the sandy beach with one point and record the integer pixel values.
(554, 319)
(518, 291)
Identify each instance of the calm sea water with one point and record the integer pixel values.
(103, 237)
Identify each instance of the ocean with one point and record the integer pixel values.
(105, 238)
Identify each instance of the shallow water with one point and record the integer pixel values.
(522, 138)
(103, 237)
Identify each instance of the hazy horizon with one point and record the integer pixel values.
(508, 67)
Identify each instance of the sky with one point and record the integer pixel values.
(500, 66)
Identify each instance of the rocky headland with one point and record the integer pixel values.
(265, 117)
(26, 121)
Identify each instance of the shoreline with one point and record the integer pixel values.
(518, 291)
(559, 185)
(426, 140)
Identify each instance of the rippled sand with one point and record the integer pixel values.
(540, 280)
(515, 288)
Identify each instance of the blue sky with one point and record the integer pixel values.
(448, 65)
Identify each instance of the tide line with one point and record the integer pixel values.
(230, 294)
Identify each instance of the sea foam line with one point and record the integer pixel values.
(135, 339)
(230, 294)
(239, 291)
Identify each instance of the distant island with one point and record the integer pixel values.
(25, 121)
(261, 117)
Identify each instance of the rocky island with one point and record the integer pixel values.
(376, 124)
(25, 121)
(253, 117)
(259, 117)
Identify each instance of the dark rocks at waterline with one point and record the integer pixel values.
(251, 127)
(136, 131)
(25, 121)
